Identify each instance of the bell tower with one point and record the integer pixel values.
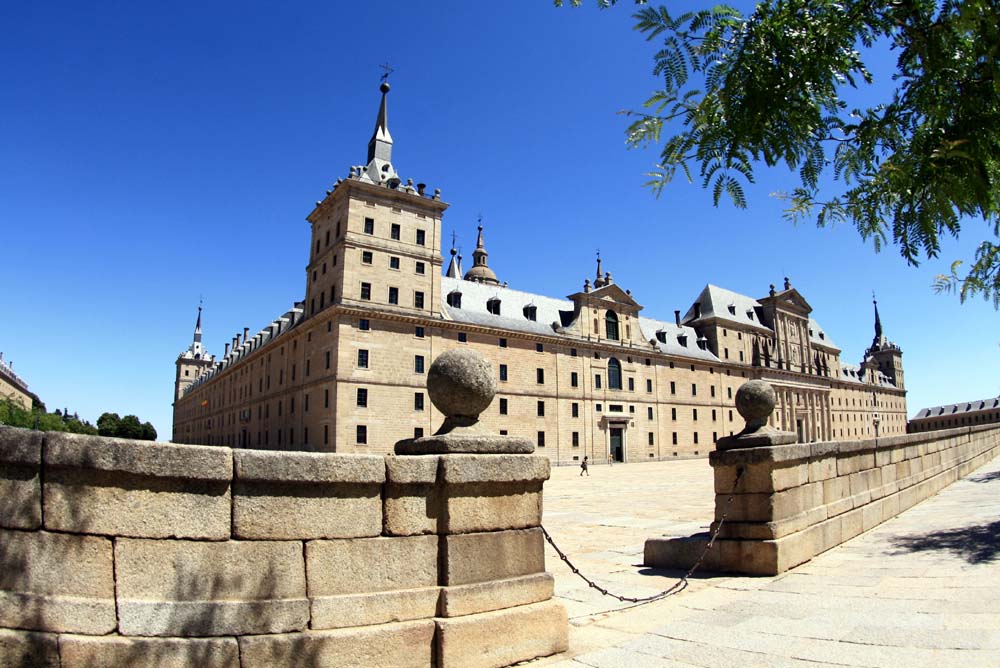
(192, 362)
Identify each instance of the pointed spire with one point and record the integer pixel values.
(197, 326)
(599, 278)
(380, 145)
(455, 266)
(878, 321)
(480, 270)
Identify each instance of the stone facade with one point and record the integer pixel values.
(131, 553)
(344, 370)
(13, 386)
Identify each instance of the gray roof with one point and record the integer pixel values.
(512, 304)
(818, 336)
(964, 407)
(551, 311)
(852, 374)
(727, 305)
(667, 337)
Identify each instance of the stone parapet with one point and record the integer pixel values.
(117, 552)
(795, 501)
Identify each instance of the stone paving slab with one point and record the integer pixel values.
(921, 590)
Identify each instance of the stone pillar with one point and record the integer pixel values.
(480, 494)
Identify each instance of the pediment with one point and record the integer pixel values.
(614, 295)
(790, 300)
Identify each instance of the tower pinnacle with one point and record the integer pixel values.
(480, 270)
(197, 326)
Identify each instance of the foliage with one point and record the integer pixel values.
(773, 87)
(110, 424)
(13, 414)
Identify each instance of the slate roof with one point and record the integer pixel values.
(964, 407)
(666, 336)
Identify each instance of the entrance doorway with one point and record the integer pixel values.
(800, 429)
(618, 444)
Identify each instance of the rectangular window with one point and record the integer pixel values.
(393, 295)
(597, 381)
(503, 372)
(418, 401)
(366, 291)
(572, 352)
(597, 407)
(291, 405)
(418, 332)
(539, 348)
(576, 439)
(462, 337)
(649, 385)
(649, 412)
(418, 363)
(711, 390)
(673, 414)
(326, 398)
(503, 343)
(394, 231)
(362, 359)
(366, 257)
(362, 397)
(541, 409)
(673, 387)
(418, 432)
(421, 268)
(696, 438)
(326, 434)
(540, 376)
(575, 409)
(729, 393)
(369, 226)
(305, 403)
(541, 439)
(694, 414)
(418, 299)
(650, 439)
(503, 407)
(364, 325)
(394, 262)
(421, 238)
(574, 379)
(673, 438)
(362, 435)
(631, 384)
(694, 390)
(713, 415)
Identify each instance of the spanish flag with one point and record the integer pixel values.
(204, 403)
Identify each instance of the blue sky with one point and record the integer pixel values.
(153, 154)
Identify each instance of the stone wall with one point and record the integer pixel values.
(116, 553)
(796, 501)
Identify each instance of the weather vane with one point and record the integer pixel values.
(388, 71)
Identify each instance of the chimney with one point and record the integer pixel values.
(421, 187)
(697, 310)
(677, 318)
(246, 332)
(226, 354)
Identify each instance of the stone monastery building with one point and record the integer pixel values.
(345, 369)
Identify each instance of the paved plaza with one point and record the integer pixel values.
(920, 590)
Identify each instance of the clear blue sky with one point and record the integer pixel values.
(155, 153)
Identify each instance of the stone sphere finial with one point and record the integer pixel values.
(755, 401)
(461, 385)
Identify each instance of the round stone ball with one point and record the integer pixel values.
(755, 400)
(460, 382)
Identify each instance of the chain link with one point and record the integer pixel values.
(677, 586)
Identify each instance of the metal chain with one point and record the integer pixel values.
(677, 586)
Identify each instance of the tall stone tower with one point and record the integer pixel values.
(886, 354)
(192, 362)
(376, 242)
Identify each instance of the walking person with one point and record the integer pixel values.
(583, 467)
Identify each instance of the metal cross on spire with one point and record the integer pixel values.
(387, 72)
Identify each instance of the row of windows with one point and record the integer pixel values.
(364, 360)
(362, 399)
(367, 257)
(395, 232)
(393, 296)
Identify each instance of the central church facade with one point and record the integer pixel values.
(590, 374)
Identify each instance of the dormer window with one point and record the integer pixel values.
(455, 299)
(531, 312)
(702, 342)
(682, 339)
(661, 336)
(732, 309)
(611, 325)
(750, 313)
(493, 306)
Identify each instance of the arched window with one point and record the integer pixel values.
(614, 374)
(611, 325)
(455, 299)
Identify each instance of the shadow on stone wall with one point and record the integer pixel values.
(992, 476)
(979, 544)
